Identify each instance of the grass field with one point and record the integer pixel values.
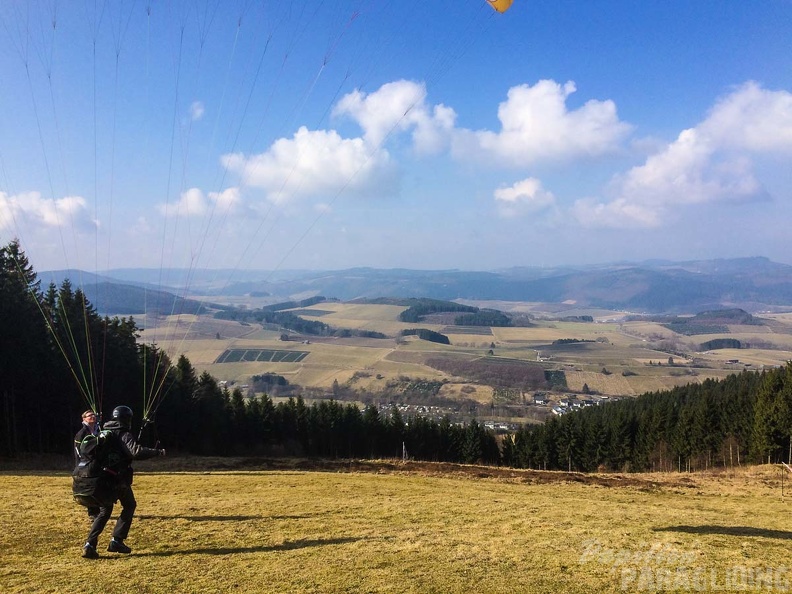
(392, 527)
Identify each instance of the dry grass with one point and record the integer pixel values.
(393, 528)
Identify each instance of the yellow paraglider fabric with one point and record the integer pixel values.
(500, 5)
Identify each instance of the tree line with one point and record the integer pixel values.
(420, 307)
(426, 334)
(484, 317)
(287, 320)
(200, 417)
(743, 418)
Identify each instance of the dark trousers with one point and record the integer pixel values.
(128, 504)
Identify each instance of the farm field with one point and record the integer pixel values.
(392, 527)
(615, 356)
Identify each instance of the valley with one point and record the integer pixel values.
(588, 354)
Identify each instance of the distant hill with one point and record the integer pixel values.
(751, 284)
(114, 298)
(125, 300)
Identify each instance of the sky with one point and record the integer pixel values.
(434, 134)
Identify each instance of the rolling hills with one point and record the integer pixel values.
(753, 284)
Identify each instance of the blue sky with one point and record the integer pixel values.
(394, 133)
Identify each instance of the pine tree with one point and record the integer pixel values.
(772, 416)
(25, 361)
(473, 447)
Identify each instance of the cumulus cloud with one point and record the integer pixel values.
(321, 163)
(524, 197)
(383, 111)
(31, 209)
(141, 228)
(709, 163)
(229, 200)
(688, 172)
(433, 132)
(318, 162)
(399, 106)
(752, 119)
(617, 214)
(536, 124)
(194, 203)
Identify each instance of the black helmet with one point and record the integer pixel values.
(123, 414)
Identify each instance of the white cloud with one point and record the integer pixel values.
(710, 163)
(383, 111)
(30, 209)
(311, 163)
(687, 172)
(432, 133)
(537, 125)
(197, 111)
(752, 119)
(229, 200)
(141, 228)
(524, 197)
(617, 213)
(398, 106)
(194, 203)
(322, 163)
(535, 122)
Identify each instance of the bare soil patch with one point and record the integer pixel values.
(411, 467)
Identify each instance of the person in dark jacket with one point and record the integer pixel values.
(125, 448)
(90, 426)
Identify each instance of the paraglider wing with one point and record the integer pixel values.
(500, 5)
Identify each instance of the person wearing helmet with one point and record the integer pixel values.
(124, 449)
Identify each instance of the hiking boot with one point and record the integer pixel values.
(89, 551)
(118, 546)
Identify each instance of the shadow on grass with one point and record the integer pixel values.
(289, 545)
(222, 518)
(730, 531)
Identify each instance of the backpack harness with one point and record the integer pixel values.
(95, 476)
